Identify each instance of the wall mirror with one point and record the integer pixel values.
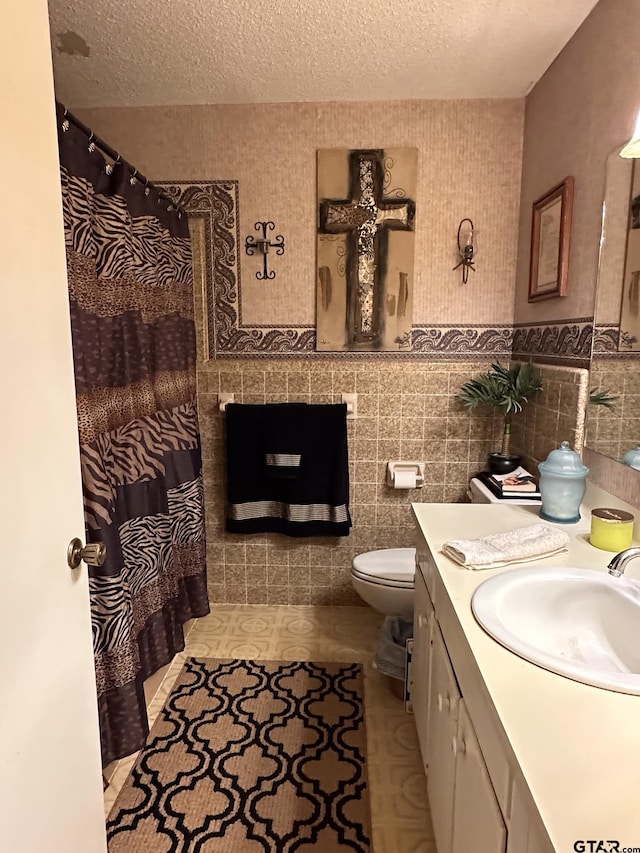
(615, 363)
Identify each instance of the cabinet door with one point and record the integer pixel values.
(444, 699)
(526, 834)
(477, 821)
(421, 664)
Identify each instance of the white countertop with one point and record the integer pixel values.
(578, 746)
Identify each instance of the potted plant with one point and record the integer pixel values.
(508, 389)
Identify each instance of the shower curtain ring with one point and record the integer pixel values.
(65, 121)
(110, 166)
(92, 145)
(146, 186)
(133, 179)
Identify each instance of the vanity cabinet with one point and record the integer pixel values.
(422, 637)
(464, 809)
(478, 801)
(477, 820)
(444, 701)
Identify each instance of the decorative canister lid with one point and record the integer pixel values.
(612, 515)
(632, 458)
(565, 462)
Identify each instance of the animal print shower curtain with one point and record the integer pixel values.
(131, 297)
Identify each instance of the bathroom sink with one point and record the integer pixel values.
(579, 623)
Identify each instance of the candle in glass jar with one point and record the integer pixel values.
(611, 529)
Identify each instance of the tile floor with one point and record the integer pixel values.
(401, 822)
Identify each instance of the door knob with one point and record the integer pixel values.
(93, 554)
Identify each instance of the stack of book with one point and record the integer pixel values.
(516, 485)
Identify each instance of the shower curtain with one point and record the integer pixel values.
(131, 299)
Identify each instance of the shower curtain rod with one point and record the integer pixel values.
(113, 154)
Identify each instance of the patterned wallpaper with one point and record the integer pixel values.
(469, 164)
(578, 112)
(213, 209)
(582, 109)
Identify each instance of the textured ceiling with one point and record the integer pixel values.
(155, 52)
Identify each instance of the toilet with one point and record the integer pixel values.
(385, 580)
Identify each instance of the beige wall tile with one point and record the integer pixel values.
(554, 415)
(615, 432)
(278, 575)
(277, 595)
(256, 594)
(620, 480)
(274, 569)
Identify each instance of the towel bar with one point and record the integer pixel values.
(351, 401)
(224, 399)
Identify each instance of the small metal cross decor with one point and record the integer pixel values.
(251, 245)
(365, 218)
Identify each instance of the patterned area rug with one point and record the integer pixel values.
(251, 757)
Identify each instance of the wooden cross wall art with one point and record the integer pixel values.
(365, 248)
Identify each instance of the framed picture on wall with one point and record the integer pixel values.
(550, 238)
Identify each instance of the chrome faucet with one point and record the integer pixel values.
(619, 562)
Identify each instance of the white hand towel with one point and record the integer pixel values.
(515, 546)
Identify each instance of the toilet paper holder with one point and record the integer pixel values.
(416, 468)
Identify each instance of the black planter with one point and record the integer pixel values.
(503, 464)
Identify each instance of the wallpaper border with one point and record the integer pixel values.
(606, 341)
(217, 202)
(565, 342)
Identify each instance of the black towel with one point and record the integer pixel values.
(288, 469)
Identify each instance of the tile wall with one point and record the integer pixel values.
(405, 410)
(617, 479)
(613, 432)
(556, 414)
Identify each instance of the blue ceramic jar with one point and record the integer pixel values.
(563, 480)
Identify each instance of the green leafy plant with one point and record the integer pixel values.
(603, 397)
(506, 388)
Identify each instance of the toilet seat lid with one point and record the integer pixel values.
(384, 582)
(394, 565)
